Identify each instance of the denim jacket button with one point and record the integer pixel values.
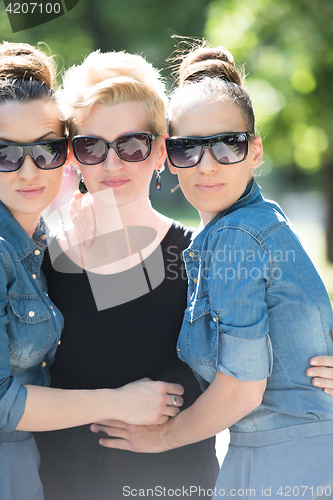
(195, 280)
(44, 237)
(34, 276)
(215, 320)
(31, 314)
(191, 254)
(37, 252)
(44, 364)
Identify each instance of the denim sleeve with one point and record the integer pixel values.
(240, 270)
(12, 392)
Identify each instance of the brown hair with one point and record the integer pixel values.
(210, 72)
(25, 73)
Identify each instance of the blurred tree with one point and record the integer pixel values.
(138, 26)
(288, 49)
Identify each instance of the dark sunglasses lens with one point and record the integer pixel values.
(11, 158)
(134, 147)
(229, 149)
(50, 155)
(89, 151)
(183, 152)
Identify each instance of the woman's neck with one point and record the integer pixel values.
(110, 216)
(27, 221)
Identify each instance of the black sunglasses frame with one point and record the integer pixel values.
(114, 145)
(205, 143)
(28, 151)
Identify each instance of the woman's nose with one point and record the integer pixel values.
(28, 169)
(207, 163)
(112, 161)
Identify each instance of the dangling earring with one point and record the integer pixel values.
(82, 187)
(158, 178)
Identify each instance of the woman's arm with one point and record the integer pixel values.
(140, 402)
(226, 401)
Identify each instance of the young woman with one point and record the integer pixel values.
(257, 309)
(123, 297)
(33, 150)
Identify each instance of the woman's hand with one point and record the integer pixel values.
(138, 438)
(146, 402)
(82, 215)
(322, 371)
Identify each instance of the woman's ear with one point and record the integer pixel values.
(257, 151)
(69, 160)
(162, 154)
(172, 169)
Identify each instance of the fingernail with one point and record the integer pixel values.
(327, 391)
(311, 373)
(316, 382)
(313, 362)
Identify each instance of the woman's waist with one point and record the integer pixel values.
(281, 434)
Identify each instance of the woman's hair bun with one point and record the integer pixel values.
(23, 61)
(211, 62)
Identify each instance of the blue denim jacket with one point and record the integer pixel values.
(257, 308)
(30, 325)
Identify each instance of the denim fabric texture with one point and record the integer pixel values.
(30, 325)
(257, 309)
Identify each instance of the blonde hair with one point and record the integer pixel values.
(112, 78)
(210, 73)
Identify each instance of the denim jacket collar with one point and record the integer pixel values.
(17, 237)
(251, 195)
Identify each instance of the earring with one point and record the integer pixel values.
(82, 187)
(158, 178)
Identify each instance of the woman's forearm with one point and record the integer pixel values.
(226, 401)
(140, 402)
(50, 409)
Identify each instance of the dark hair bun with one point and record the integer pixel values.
(211, 62)
(23, 61)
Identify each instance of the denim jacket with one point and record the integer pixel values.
(30, 325)
(257, 309)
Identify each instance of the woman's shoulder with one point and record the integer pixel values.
(180, 234)
(258, 220)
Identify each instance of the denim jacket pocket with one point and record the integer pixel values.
(29, 329)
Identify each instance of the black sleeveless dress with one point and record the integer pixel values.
(109, 348)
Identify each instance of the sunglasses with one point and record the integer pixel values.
(46, 155)
(186, 152)
(131, 147)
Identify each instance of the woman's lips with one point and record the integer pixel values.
(209, 188)
(114, 183)
(31, 191)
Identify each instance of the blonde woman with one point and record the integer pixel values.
(116, 332)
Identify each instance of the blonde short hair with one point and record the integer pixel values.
(112, 78)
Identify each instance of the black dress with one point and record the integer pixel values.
(109, 348)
